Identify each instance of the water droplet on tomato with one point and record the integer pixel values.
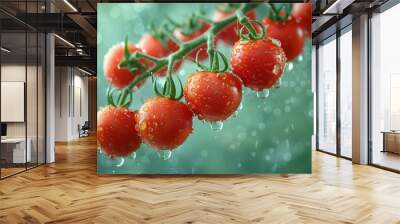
(164, 154)
(235, 114)
(276, 42)
(263, 94)
(289, 66)
(278, 84)
(132, 156)
(100, 150)
(117, 161)
(217, 125)
(277, 69)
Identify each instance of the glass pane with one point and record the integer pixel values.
(31, 98)
(386, 89)
(13, 87)
(41, 99)
(327, 96)
(346, 93)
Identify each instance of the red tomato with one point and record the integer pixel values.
(288, 33)
(259, 63)
(229, 34)
(120, 77)
(302, 13)
(116, 131)
(164, 123)
(153, 46)
(172, 46)
(192, 55)
(213, 96)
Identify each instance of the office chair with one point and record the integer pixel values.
(84, 130)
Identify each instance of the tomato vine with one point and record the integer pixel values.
(260, 51)
(132, 64)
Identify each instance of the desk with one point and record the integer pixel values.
(391, 141)
(17, 148)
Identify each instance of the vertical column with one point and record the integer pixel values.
(338, 91)
(360, 90)
(50, 92)
(314, 91)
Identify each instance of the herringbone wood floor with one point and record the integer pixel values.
(69, 191)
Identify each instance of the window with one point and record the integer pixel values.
(346, 75)
(385, 89)
(327, 96)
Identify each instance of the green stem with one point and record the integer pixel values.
(171, 36)
(205, 19)
(170, 67)
(275, 11)
(243, 20)
(185, 48)
(210, 48)
(144, 55)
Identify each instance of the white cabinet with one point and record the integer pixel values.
(19, 155)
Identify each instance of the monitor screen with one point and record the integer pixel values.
(3, 129)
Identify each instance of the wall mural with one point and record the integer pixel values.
(204, 88)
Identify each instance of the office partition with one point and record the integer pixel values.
(22, 76)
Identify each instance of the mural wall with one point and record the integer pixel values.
(204, 88)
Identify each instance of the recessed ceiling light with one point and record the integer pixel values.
(64, 40)
(5, 50)
(84, 71)
(70, 5)
(333, 6)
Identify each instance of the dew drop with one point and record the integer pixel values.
(263, 94)
(165, 154)
(278, 84)
(117, 161)
(235, 114)
(277, 69)
(240, 107)
(100, 151)
(262, 126)
(300, 58)
(132, 156)
(289, 66)
(287, 157)
(276, 42)
(217, 125)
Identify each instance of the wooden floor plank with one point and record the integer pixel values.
(70, 191)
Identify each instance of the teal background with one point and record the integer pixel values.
(270, 135)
